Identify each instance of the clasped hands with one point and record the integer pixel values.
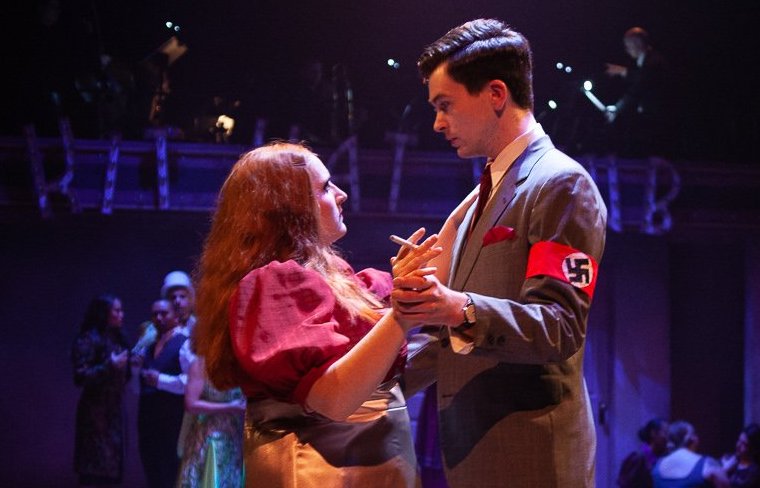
(418, 296)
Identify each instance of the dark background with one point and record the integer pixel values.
(252, 50)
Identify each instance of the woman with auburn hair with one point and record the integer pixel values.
(311, 343)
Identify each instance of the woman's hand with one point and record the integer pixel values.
(412, 261)
(119, 361)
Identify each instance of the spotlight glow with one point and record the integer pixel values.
(560, 65)
(587, 85)
(552, 105)
(169, 24)
(568, 69)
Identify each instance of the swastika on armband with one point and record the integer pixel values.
(578, 269)
(564, 263)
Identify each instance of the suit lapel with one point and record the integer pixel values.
(467, 250)
(460, 243)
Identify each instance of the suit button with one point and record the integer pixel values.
(490, 340)
(501, 340)
(445, 342)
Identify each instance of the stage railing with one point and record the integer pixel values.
(64, 174)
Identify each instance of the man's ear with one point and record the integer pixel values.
(499, 93)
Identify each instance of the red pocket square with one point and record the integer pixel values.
(498, 234)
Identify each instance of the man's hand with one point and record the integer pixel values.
(410, 266)
(424, 299)
(616, 70)
(611, 113)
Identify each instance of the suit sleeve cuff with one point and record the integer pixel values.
(460, 343)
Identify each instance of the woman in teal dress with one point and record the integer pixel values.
(212, 451)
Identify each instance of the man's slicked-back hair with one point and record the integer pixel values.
(482, 50)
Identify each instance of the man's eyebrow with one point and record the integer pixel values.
(435, 99)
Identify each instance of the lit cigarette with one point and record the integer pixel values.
(402, 242)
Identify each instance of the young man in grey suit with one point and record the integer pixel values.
(505, 314)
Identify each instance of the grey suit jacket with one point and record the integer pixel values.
(514, 411)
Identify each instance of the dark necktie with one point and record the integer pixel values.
(485, 191)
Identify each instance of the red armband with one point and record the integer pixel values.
(564, 263)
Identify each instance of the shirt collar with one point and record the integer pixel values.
(512, 150)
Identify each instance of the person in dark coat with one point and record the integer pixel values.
(100, 358)
(642, 117)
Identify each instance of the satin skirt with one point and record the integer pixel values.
(286, 447)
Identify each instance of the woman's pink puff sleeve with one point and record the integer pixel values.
(380, 283)
(284, 330)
